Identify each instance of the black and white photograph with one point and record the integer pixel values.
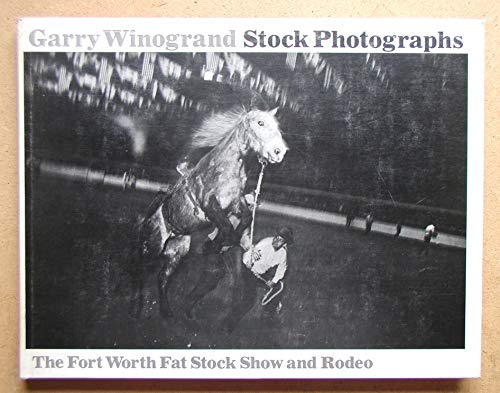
(235, 200)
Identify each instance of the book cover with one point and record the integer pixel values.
(251, 198)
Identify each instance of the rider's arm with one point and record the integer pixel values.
(280, 270)
(246, 259)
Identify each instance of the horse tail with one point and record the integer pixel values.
(149, 232)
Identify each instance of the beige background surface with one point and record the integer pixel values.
(11, 10)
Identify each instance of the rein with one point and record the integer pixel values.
(269, 295)
(257, 193)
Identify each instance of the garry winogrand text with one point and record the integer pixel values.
(123, 39)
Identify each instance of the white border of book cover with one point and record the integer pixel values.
(310, 337)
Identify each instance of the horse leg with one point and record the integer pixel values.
(242, 305)
(244, 291)
(175, 249)
(227, 235)
(245, 221)
(208, 281)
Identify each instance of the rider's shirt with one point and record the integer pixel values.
(266, 257)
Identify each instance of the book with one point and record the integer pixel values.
(342, 157)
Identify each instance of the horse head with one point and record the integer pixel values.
(264, 135)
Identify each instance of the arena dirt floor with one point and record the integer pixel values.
(344, 289)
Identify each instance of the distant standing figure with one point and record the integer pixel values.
(430, 232)
(399, 226)
(368, 223)
(349, 215)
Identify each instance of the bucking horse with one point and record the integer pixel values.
(208, 193)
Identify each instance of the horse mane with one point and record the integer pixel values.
(215, 127)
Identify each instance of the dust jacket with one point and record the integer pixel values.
(250, 198)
